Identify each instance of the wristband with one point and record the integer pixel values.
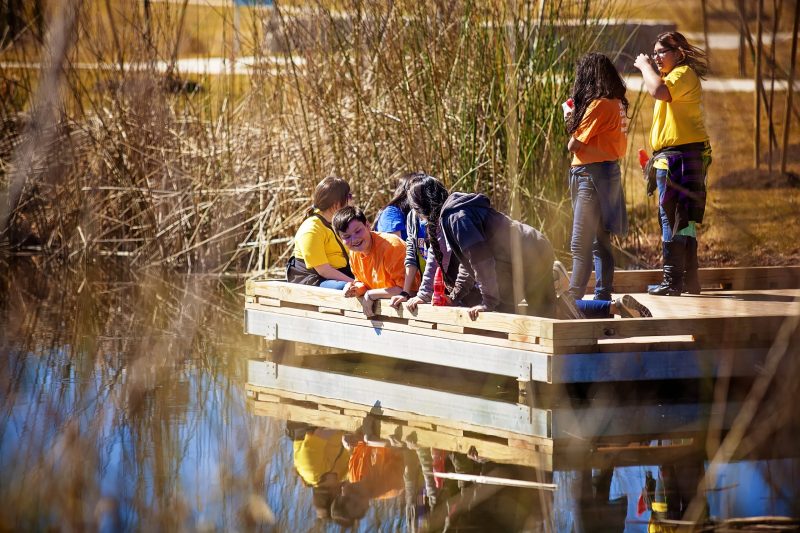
(405, 294)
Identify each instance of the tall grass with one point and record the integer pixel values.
(138, 167)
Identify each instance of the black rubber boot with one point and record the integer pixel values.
(691, 278)
(674, 262)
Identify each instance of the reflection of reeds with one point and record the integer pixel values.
(218, 180)
(120, 407)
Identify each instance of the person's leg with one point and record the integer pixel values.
(603, 264)
(673, 248)
(594, 308)
(691, 280)
(333, 284)
(584, 224)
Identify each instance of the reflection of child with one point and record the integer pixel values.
(321, 461)
(375, 471)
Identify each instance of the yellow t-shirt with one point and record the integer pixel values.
(681, 120)
(316, 245)
(604, 127)
(321, 452)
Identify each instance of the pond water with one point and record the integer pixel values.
(123, 406)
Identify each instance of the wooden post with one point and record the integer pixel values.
(756, 94)
(790, 89)
(740, 6)
(705, 28)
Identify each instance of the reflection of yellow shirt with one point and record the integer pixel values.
(320, 452)
(316, 244)
(681, 120)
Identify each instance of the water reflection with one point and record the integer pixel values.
(129, 403)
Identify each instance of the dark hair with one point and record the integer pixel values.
(330, 192)
(400, 198)
(339, 511)
(426, 196)
(321, 499)
(345, 216)
(595, 77)
(693, 56)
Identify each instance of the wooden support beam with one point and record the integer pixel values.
(374, 339)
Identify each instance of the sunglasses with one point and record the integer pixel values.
(661, 53)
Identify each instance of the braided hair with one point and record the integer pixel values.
(426, 196)
(595, 77)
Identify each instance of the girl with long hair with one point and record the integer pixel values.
(490, 248)
(597, 129)
(681, 155)
(319, 257)
(392, 218)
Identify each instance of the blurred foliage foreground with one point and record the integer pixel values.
(106, 150)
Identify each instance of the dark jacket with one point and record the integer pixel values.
(462, 285)
(482, 239)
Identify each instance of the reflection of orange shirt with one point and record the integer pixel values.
(603, 126)
(383, 267)
(379, 469)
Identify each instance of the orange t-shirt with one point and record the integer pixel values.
(383, 267)
(604, 126)
(379, 469)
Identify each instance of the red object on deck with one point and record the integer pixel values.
(439, 297)
(643, 157)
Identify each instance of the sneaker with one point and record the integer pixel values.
(628, 307)
(560, 278)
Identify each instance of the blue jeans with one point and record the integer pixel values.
(594, 308)
(590, 241)
(333, 284)
(661, 183)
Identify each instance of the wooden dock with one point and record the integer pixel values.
(725, 332)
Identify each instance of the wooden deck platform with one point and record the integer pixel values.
(726, 331)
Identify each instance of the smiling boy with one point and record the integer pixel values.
(377, 259)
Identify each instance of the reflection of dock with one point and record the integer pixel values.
(593, 435)
(727, 331)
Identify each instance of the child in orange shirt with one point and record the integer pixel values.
(376, 259)
(598, 140)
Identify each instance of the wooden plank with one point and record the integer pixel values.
(307, 295)
(728, 278)
(373, 338)
(720, 330)
(328, 408)
(451, 328)
(516, 337)
(421, 324)
(249, 299)
(272, 302)
(355, 314)
(264, 397)
(647, 364)
(330, 310)
(442, 330)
